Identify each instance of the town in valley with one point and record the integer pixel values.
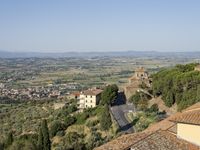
(99, 75)
(93, 100)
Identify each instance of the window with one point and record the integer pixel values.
(91, 96)
(86, 106)
(91, 105)
(86, 101)
(91, 101)
(85, 95)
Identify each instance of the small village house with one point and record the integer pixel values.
(90, 98)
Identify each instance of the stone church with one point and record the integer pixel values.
(140, 75)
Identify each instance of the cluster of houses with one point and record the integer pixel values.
(29, 93)
(86, 99)
(39, 92)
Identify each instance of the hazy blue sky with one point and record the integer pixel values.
(99, 25)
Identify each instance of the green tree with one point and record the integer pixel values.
(154, 108)
(74, 141)
(69, 121)
(40, 140)
(44, 142)
(142, 105)
(94, 140)
(71, 108)
(22, 145)
(140, 100)
(1, 146)
(55, 127)
(135, 98)
(177, 85)
(9, 139)
(169, 100)
(105, 119)
(109, 94)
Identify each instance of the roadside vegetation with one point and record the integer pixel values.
(144, 116)
(180, 85)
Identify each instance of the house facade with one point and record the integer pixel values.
(90, 98)
(188, 126)
(197, 68)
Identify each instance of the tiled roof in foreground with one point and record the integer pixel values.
(162, 140)
(189, 117)
(159, 140)
(193, 107)
(123, 142)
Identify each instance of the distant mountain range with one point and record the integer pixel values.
(6, 54)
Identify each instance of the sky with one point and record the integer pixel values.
(99, 25)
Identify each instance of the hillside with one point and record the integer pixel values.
(180, 85)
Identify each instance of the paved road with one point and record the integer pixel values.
(119, 109)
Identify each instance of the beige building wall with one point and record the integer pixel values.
(188, 132)
(197, 68)
(89, 101)
(82, 101)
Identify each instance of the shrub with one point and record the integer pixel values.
(81, 117)
(74, 141)
(72, 108)
(69, 121)
(55, 127)
(154, 108)
(60, 133)
(92, 123)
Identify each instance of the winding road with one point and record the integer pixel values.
(119, 109)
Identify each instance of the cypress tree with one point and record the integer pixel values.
(44, 142)
(9, 140)
(45, 132)
(40, 140)
(105, 120)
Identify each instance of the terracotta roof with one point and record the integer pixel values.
(189, 117)
(173, 129)
(123, 142)
(76, 93)
(193, 107)
(92, 92)
(158, 140)
(163, 140)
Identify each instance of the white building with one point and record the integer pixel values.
(2, 85)
(90, 98)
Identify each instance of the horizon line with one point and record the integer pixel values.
(103, 51)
